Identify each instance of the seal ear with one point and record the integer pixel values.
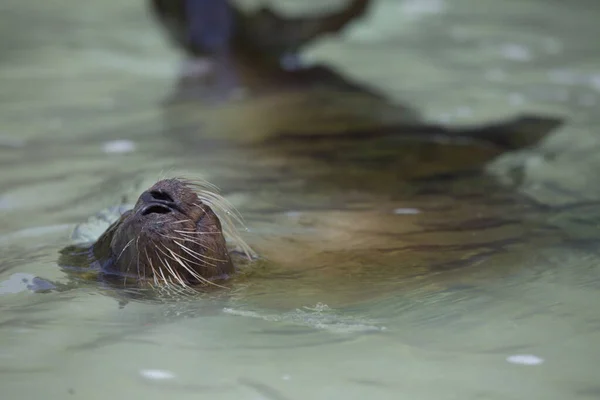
(267, 31)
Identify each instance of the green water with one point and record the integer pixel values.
(388, 286)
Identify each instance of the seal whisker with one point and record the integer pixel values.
(208, 262)
(174, 258)
(124, 248)
(209, 194)
(193, 273)
(192, 233)
(173, 272)
(151, 266)
(197, 255)
(162, 274)
(128, 269)
(171, 268)
(137, 251)
(219, 203)
(190, 239)
(194, 241)
(183, 221)
(162, 261)
(189, 261)
(236, 239)
(178, 258)
(160, 270)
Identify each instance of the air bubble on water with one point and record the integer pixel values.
(119, 146)
(286, 377)
(525, 359)
(515, 52)
(156, 374)
(516, 99)
(319, 307)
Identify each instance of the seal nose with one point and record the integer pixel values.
(157, 202)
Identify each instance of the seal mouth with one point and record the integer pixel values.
(155, 209)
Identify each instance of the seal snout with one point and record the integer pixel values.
(157, 202)
(170, 237)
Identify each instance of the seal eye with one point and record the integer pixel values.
(156, 209)
(160, 195)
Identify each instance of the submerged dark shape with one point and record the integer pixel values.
(198, 26)
(262, 102)
(203, 27)
(172, 236)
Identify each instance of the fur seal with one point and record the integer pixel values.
(172, 236)
(303, 112)
(172, 240)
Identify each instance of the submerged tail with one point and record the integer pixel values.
(203, 27)
(276, 35)
(512, 134)
(517, 133)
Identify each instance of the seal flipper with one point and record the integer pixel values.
(269, 32)
(521, 132)
(205, 27)
(511, 134)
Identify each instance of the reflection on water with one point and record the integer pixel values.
(430, 281)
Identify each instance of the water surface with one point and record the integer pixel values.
(423, 287)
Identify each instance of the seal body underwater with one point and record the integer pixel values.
(265, 107)
(294, 115)
(172, 240)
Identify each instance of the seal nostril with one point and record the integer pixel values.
(156, 209)
(160, 195)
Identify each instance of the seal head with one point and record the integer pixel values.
(171, 236)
